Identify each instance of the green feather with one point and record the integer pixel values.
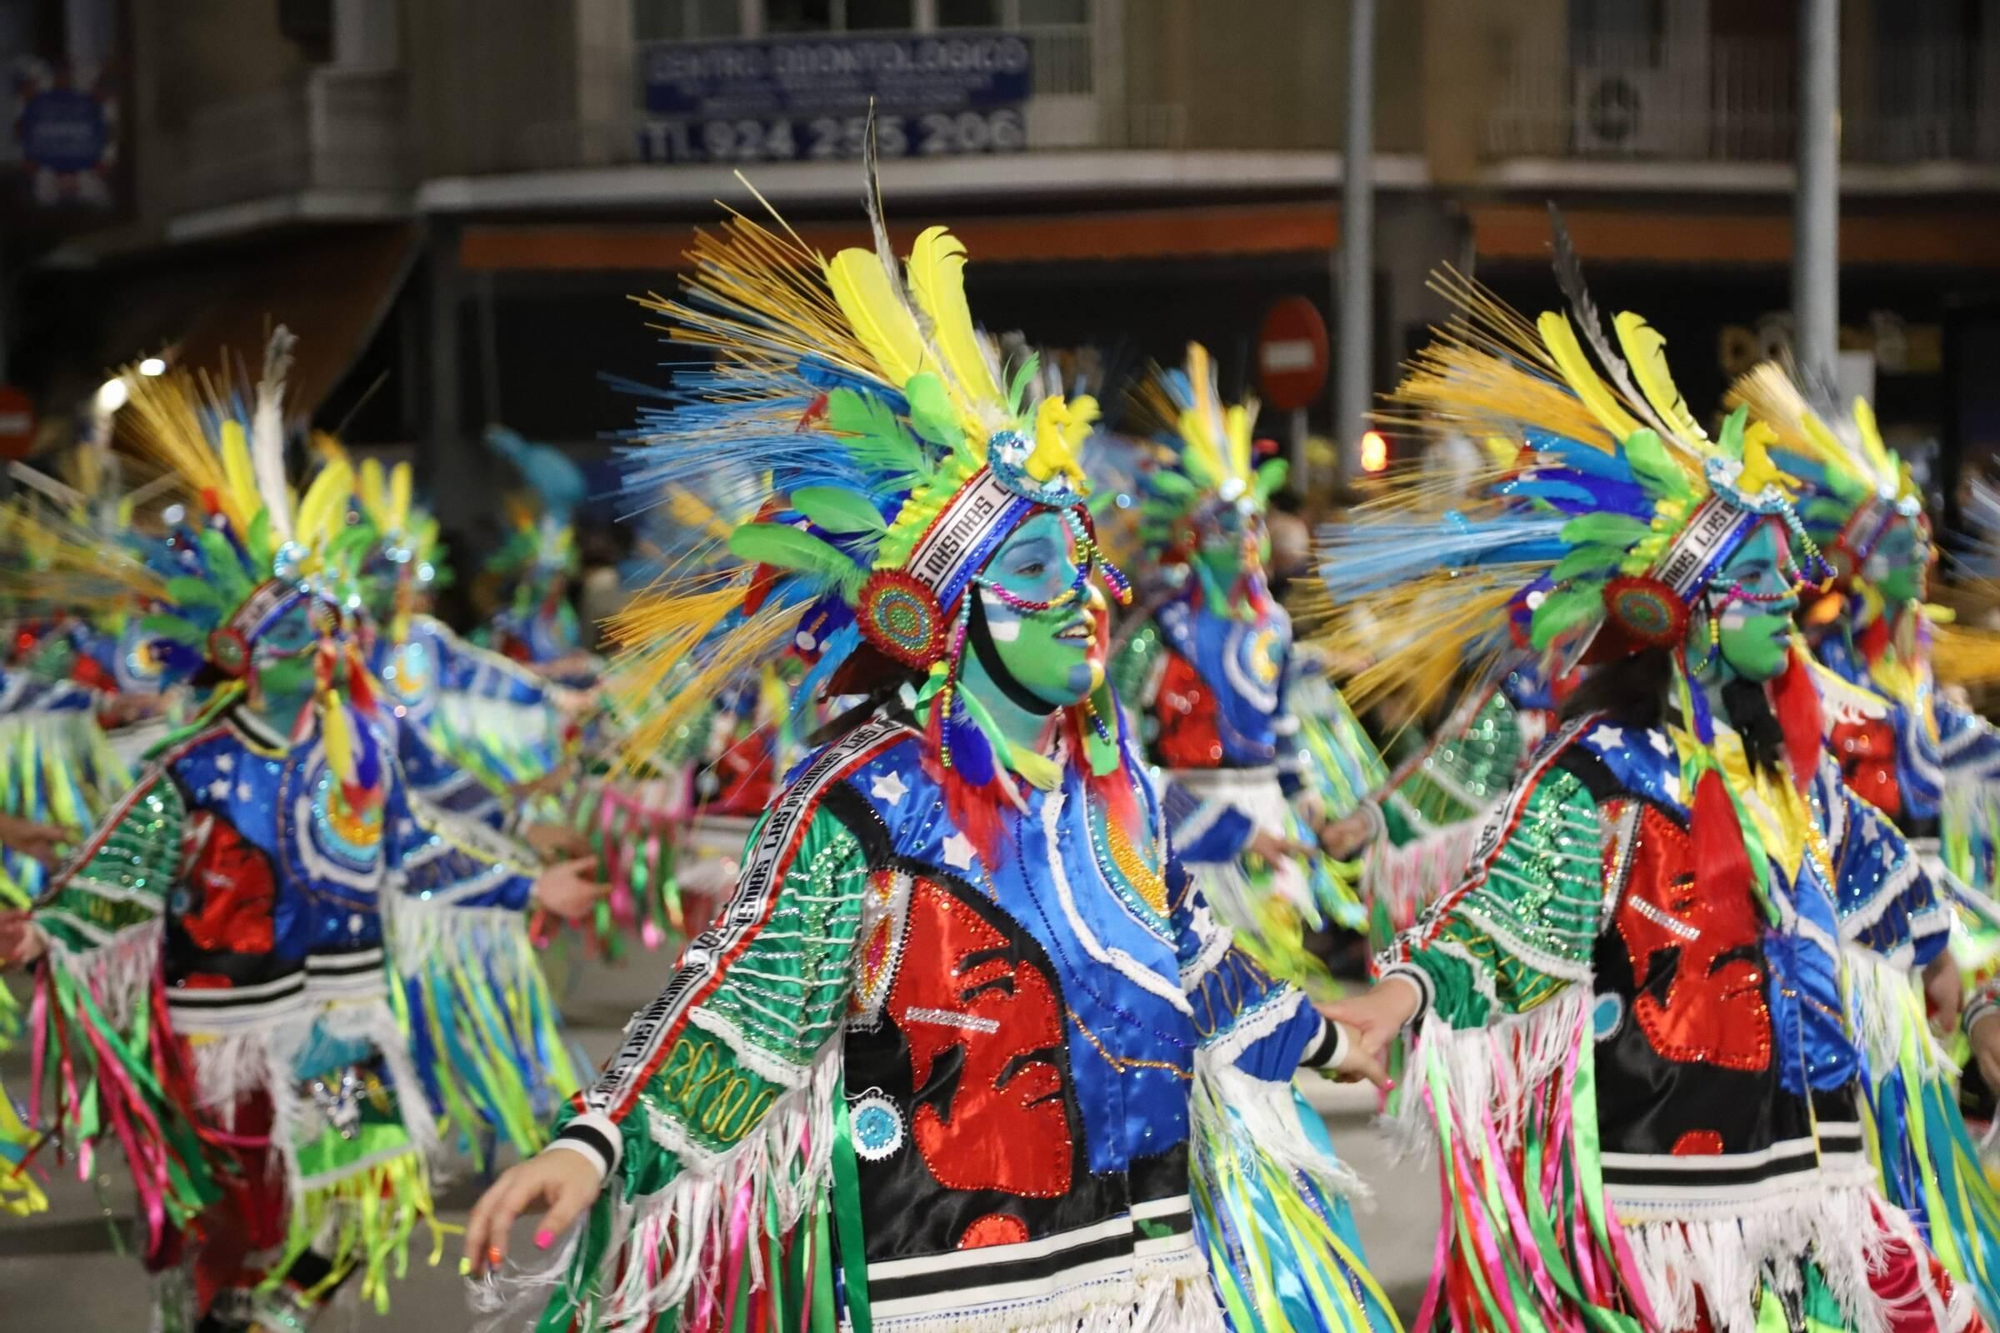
(1271, 474)
(1168, 483)
(930, 411)
(838, 510)
(172, 627)
(1654, 467)
(258, 539)
(1024, 375)
(1563, 611)
(788, 548)
(1604, 530)
(875, 438)
(224, 567)
(193, 592)
(1587, 560)
(1730, 442)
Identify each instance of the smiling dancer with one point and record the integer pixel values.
(962, 1051)
(1634, 1045)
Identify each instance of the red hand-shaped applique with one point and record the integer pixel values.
(984, 1025)
(230, 885)
(1697, 964)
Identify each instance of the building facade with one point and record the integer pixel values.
(448, 199)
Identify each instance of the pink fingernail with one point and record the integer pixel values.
(544, 1238)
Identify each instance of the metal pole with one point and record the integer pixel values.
(1353, 374)
(1816, 205)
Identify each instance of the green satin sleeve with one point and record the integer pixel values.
(1524, 923)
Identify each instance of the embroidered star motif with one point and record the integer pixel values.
(1607, 738)
(1674, 786)
(1870, 831)
(1658, 740)
(225, 763)
(218, 790)
(888, 787)
(242, 791)
(958, 852)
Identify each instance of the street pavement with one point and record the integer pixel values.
(65, 1269)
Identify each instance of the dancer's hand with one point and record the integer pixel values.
(42, 842)
(1372, 1018)
(555, 842)
(559, 1182)
(21, 940)
(1944, 987)
(1274, 848)
(570, 889)
(1985, 1039)
(1347, 837)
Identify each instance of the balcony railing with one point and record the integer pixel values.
(338, 130)
(1733, 100)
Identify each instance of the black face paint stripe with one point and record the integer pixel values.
(988, 654)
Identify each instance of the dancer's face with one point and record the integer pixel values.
(1898, 566)
(1058, 654)
(281, 662)
(1756, 628)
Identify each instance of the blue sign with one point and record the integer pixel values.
(808, 97)
(64, 130)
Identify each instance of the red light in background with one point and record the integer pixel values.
(1374, 451)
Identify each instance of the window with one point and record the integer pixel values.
(686, 20)
(692, 20)
(968, 13)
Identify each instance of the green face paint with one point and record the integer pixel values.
(281, 666)
(1059, 654)
(1897, 565)
(1756, 635)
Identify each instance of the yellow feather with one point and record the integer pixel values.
(1559, 336)
(325, 503)
(880, 319)
(399, 496)
(241, 500)
(936, 269)
(368, 487)
(1645, 352)
(338, 740)
(1236, 427)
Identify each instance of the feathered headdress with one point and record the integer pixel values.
(541, 538)
(866, 455)
(1852, 486)
(1205, 472)
(1608, 524)
(250, 550)
(404, 557)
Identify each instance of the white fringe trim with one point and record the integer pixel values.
(1491, 1070)
(1884, 1004)
(1176, 1298)
(118, 972)
(1262, 1119)
(787, 1157)
(1409, 878)
(1722, 1264)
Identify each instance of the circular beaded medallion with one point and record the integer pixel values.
(878, 1127)
(901, 616)
(1647, 610)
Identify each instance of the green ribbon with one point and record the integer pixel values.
(847, 1214)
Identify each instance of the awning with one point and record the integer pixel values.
(1159, 233)
(1944, 239)
(332, 291)
(330, 286)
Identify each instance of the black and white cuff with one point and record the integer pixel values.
(1416, 976)
(1330, 1049)
(595, 1136)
